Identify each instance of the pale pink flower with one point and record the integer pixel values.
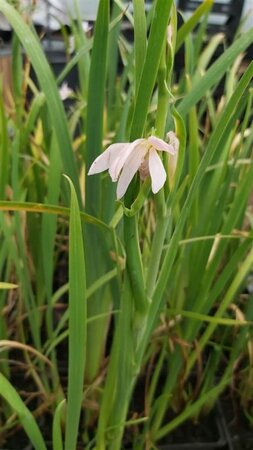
(65, 91)
(169, 34)
(172, 139)
(123, 160)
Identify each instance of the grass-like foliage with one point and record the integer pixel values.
(110, 288)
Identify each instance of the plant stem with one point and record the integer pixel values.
(134, 263)
(157, 244)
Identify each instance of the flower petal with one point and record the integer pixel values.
(131, 166)
(161, 145)
(173, 140)
(118, 163)
(105, 160)
(116, 155)
(156, 170)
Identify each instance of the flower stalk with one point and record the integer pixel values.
(161, 207)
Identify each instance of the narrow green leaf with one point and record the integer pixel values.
(49, 209)
(49, 222)
(139, 38)
(207, 54)
(204, 318)
(82, 53)
(149, 73)
(33, 113)
(57, 431)
(77, 322)
(17, 74)
(81, 41)
(96, 97)
(91, 290)
(4, 285)
(113, 88)
(26, 418)
(4, 152)
(214, 73)
(191, 23)
(192, 409)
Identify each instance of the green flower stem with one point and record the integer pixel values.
(157, 243)
(134, 264)
(123, 370)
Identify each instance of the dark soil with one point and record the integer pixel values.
(17, 441)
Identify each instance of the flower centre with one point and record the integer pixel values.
(144, 170)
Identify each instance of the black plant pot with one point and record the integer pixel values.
(239, 429)
(210, 434)
(243, 441)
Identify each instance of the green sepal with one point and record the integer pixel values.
(139, 201)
